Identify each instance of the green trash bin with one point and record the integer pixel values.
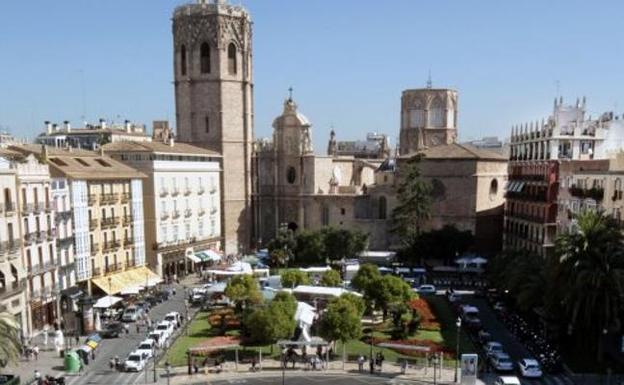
(72, 362)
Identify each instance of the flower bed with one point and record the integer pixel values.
(224, 317)
(433, 346)
(428, 320)
(209, 346)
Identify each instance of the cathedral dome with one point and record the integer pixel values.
(290, 116)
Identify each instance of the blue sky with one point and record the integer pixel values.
(348, 60)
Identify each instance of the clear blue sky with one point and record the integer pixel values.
(348, 60)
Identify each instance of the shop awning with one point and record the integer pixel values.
(106, 302)
(208, 256)
(140, 276)
(131, 290)
(194, 258)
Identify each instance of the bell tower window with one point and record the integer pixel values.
(183, 60)
(207, 124)
(204, 55)
(232, 67)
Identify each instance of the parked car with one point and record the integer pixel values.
(492, 348)
(135, 362)
(147, 346)
(143, 305)
(166, 327)
(502, 362)
(484, 337)
(158, 337)
(112, 330)
(163, 295)
(174, 318)
(507, 380)
(470, 316)
(529, 368)
(152, 300)
(426, 289)
(131, 314)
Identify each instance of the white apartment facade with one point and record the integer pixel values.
(181, 202)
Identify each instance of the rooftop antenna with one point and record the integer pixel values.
(429, 83)
(290, 91)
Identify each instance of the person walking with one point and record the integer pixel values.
(360, 362)
(38, 378)
(35, 350)
(126, 328)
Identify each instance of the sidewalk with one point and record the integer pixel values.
(271, 368)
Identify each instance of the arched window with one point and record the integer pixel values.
(383, 207)
(204, 55)
(232, 59)
(183, 60)
(436, 113)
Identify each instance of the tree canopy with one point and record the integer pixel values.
(414, 203)
(266, 325)
(341, 321)
(11, 346)
(391, 291)
(309, 248)
(331, 278)
(243, 290)
(294, 278)
(281, 248)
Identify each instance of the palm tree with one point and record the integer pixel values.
(10, 345)
(591, 277)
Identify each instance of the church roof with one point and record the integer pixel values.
(458, 151)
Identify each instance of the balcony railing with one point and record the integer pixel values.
(95, 248)
(213, 210)
(39, 269)
(111, 245)
(174, 244)
(65, 242)
(187, 191)
(40, 207)
(201, 191)
(125, 197)
(130, 262)
(109, 198)
(175, 214)
(31, 238)
(92, 199)
(9, 247)
(201, 212)
(188, 213)
(62, 216)
(128, 242)
(28, 208)
(113, 268)
(163, 192)
(8, 208)
(595, 193)
(175, 192)
(51, 234)
(127, 220)
(164, 215)
(97, 271)
(12, 288)
(213, 190)
(110, 222)
(93, 224)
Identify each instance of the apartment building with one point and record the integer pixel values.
(12, 273)
(545, 156)
(92, 136)
(181, 202)
(107, 218)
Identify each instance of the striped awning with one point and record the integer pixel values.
(139, 276)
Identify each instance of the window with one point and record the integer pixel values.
(103, 162)
(163, 207)
(213, 227)
(291, 175)
(163, 233)
(187, 230)
(82, 162)
(342, 211)
(232, 59)
(493, 188)
(383, 208)
(417, 118)
(206, 124)
(325, 215)
(183, 60)
(176, 232)
(436, 113)
(204, 55)
(201, 228)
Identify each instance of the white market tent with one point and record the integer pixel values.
(106, 302)
(316, 269)
(130, 290)
(322, 291)
(237, 268)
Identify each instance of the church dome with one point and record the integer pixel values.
(290, 116)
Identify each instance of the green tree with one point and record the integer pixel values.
(289, 301)
(267, 325)
(294, 278)
(331, 278)
(11, 345)
(281, 248)
(244, 291)
(365, 281)
(414, 203)
(591, 278)
(343, 243)
(357, 301)
(309, 248)
(391, 291)
(340, 321)
(443, 244)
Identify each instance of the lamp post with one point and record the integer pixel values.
(458, 324)
(110, 286)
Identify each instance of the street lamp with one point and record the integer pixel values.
(110, 286)
(458, 324)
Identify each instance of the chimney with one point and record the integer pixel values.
(54, 127)
(48, 126)
(127, 125)
(102, 124)
(67, 126)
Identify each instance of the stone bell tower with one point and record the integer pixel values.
(214, 101)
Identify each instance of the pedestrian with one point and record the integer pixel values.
(360, 362)
(35, 350)
(381, 360)
(77, 338)
(38, 377)
(253, 363)
(92, 354)
(126, 328)
(403, 366)
(372, 365)
(111, 363)
(138, 327)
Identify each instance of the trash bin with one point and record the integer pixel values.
(72, 362)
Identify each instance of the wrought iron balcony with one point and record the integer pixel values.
(187, 191)
(109, 198)
(164, 192)
(188, 213)
(109, 222)
(125, 197)
(111, 245)
(127, 220)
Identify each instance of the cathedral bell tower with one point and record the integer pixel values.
(214, 101)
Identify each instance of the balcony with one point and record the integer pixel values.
(188, 213)
(595, 193)
(125, 197)
(51, 234)
(40, 269)
(113, 268)
(187, 191)
(127, 220)
(130, 263)
(12, 288)
(173, 245)
(95, 248)
(111, 245)
(97, 271)
(213, 190)
(93, 224)
(175, 192)
(65, 242)
(201, 191)
(109, 199)
(28, 208)
(62, 216)
(109, 222)
(175, 214)
(31, 238)
(41, 207)
(92, 199)
(9, 208)
(10, 247)
(201, 212)
(164, 216)
(213, 210)
(163, 192)
(128, 243)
